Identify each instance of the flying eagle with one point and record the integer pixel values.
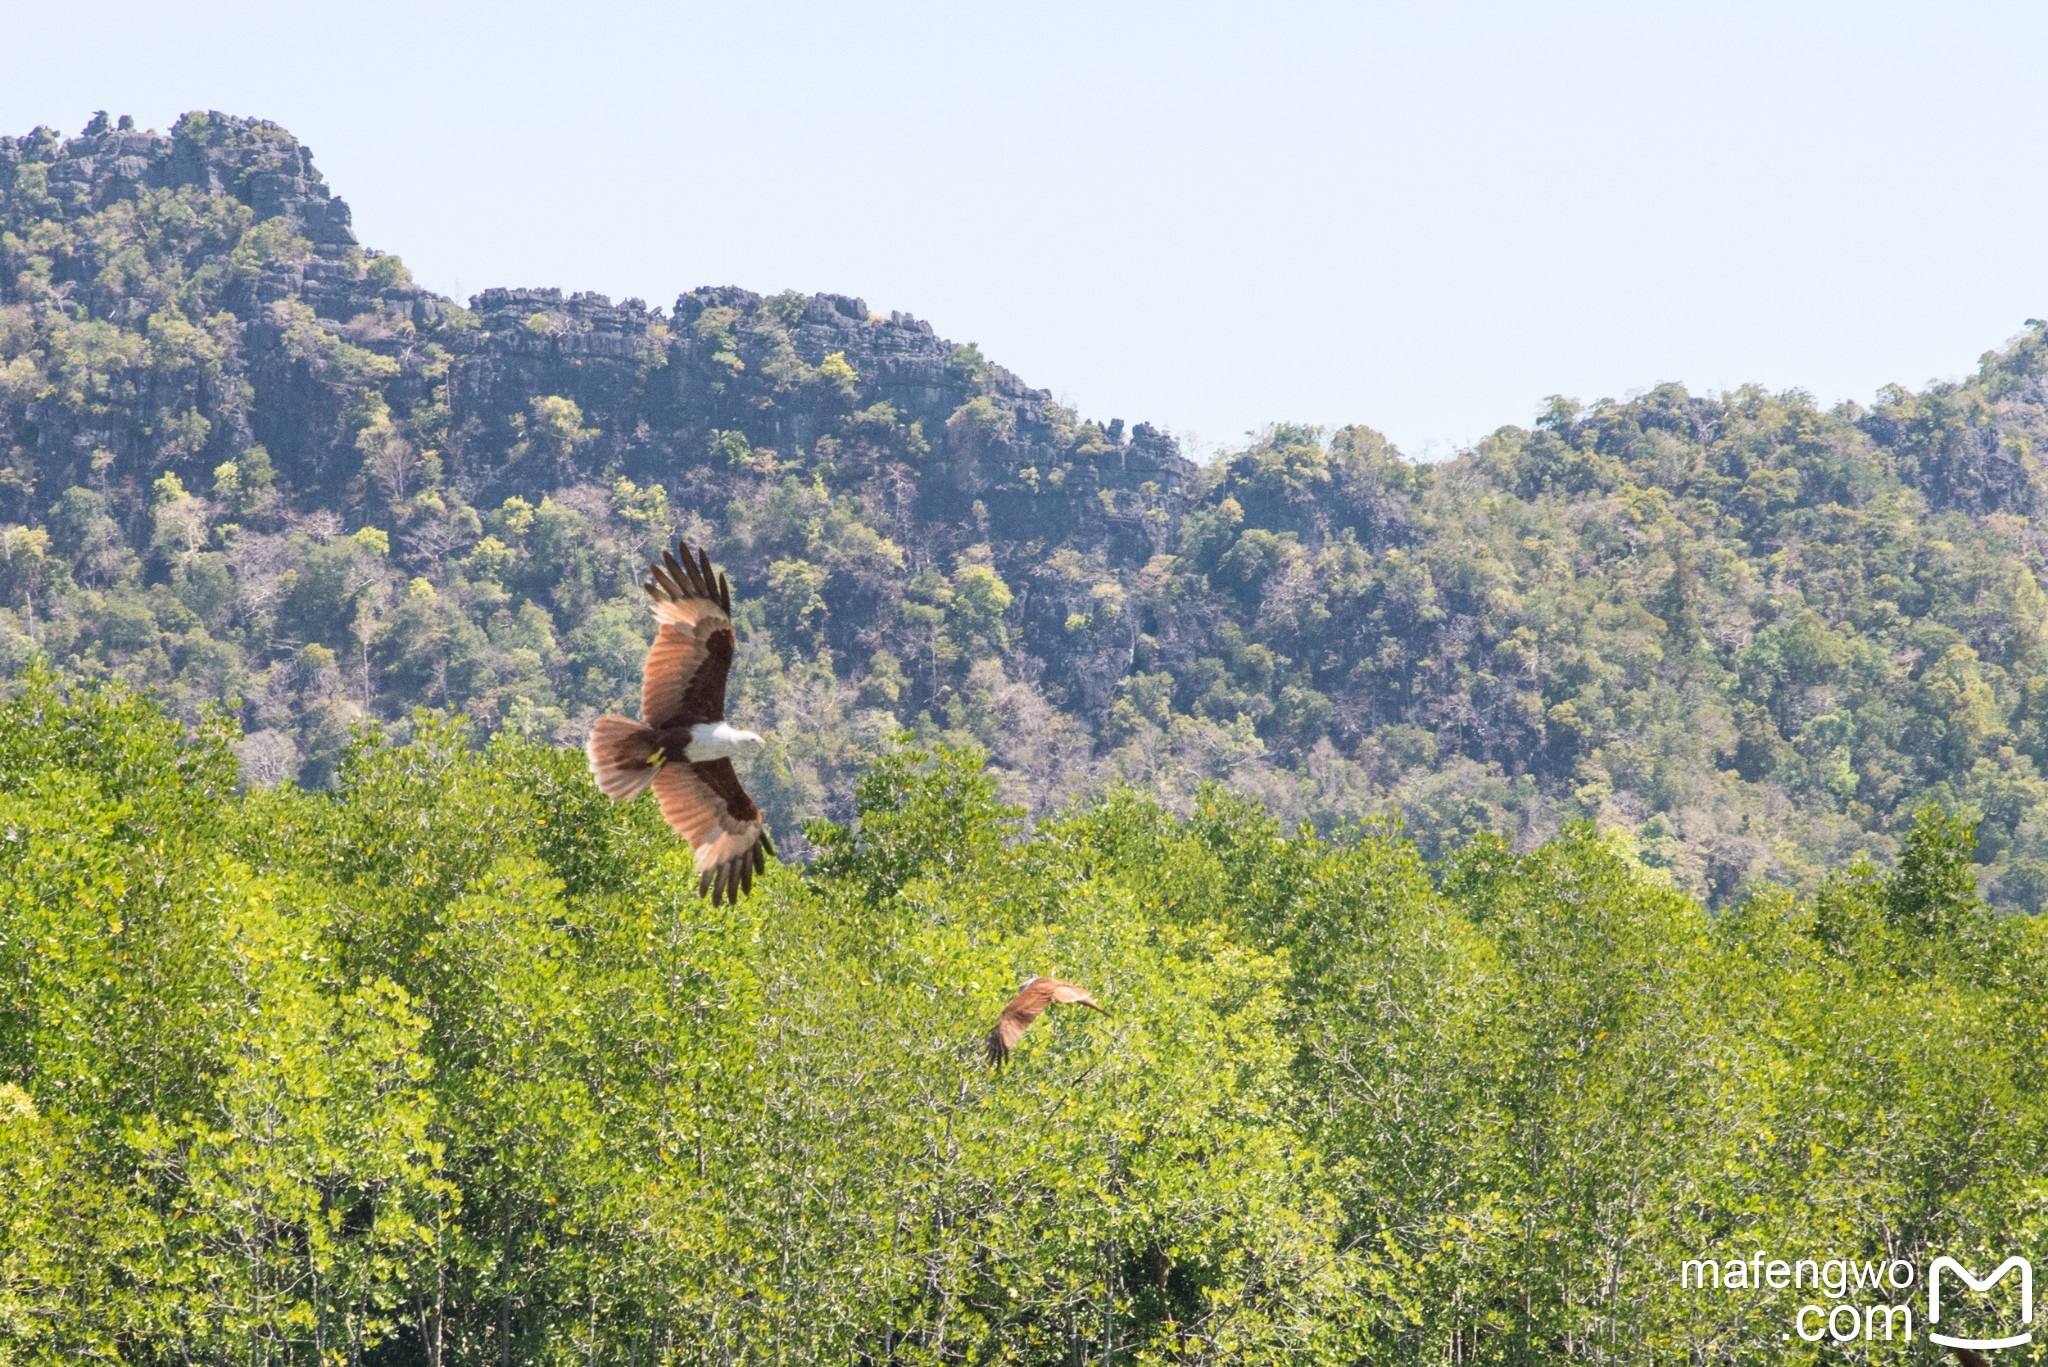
(1024, 1008)
(684, 749)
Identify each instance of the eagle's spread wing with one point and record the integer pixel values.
(683, 681)
(705, 804)
(1026, 1007)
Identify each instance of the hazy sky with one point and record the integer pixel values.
(1422, 217)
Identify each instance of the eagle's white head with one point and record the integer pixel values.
(716, 740)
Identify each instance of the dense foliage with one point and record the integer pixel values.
(243, 458)
(447, 1065)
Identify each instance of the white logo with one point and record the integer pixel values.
(2026, 1301)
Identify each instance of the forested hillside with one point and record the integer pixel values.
(243, 457)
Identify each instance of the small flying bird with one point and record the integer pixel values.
(682, 746)
(1024, 1008)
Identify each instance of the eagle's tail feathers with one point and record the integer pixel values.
(622, 757)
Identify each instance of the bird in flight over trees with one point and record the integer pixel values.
(682, 746)
(1024, 1008)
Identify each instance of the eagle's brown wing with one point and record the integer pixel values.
(1970, 1357)
(683, 681)
(1025, 1008)
(1069, 994)
(705, 804)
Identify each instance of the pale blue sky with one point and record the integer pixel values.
(1425, 218)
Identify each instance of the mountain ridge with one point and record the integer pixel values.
(242, 456)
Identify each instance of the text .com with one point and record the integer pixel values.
(1877, 1300)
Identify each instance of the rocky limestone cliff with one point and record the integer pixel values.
(655, 392)
(313, 332)
(217, 382)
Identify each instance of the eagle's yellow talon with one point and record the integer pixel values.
(658, 758)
